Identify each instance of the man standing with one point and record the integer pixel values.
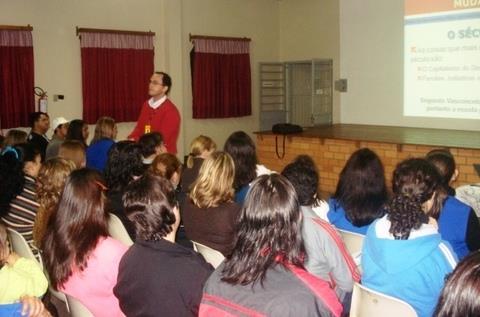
(60, 126)
(159, 114)
(40, 123)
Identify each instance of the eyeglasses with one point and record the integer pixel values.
(154, 82)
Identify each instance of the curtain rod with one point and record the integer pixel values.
(207, 37)
(89, 30)
(18, 28)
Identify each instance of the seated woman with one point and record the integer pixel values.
(78, 131)
(458, 224)
(103, 139)
(200, 149)
(327, 256)
(403, 254)
(209, 213)
(171, 278)
(50, 183)
(459, 297)
(264, 275)
(15, 137)
(18, 276)
(73, 150)
(19, 166)
(361, 193)
(152, 145)
(80, 258)
(124, 164)
(167, 166)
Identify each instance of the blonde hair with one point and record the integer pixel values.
(214, 184)
(51, 180)
(15, 137)
(73, 150)
(200, 144)
(104, 128)
(165, 165)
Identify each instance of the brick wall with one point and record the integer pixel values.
(330, 155)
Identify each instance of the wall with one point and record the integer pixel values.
(310, 29)
(57, 49)
(371, 45)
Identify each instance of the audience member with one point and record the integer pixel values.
(40, 123)
(172, 277)
(15, 137)
(264, 275)
(167, 166)
(19, 166)
(50, 183)
(209, 213)
(60, 128)
(152, 145)
(124, 164)
(403, 254)
(200, 149)
(458, 224)
(327, 256)
(360, 194)
(103, 139)
(80, 258)
(73, 150)
(78, 130)
(459, 297)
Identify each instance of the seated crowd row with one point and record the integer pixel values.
(283, 254)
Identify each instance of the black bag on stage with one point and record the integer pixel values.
(284, 129)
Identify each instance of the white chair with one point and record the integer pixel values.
(77, 309)
(369, 303)
(212, 256)
(117, 230)
(354, 243)
(21, 247)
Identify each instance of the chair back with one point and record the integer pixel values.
(21, 247)
(212, 256)
(77, 309)
(117, 230)
(369, 303)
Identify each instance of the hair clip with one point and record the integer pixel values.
(9, 149)
(102, 186)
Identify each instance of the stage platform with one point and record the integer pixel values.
(331, 146)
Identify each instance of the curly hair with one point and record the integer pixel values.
(50, 182)
(414, 183)
(242, 150)
(303, 175)
(12, 175)
(123, 163)
(268, 232)
(361, 189)
(459, 297)
(214, 182)
(149, 202)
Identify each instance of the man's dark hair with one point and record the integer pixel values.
(149, 142)
(166, 80)
(35, 116)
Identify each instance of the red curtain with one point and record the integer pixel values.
(116, 69)
(221, 79)
(17, 100)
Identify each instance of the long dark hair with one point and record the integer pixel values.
(12, 176)
(361, 189)
(76, 226)
(459, 297)
(268, 232)
(242, 150)
(414, 183)
(75, 131)
(123, 163)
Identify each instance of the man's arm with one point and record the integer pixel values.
(139, 127)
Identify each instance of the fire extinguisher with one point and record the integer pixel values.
(42, 99)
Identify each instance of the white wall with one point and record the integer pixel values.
(371, 46)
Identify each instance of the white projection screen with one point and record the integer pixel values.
(442, 59)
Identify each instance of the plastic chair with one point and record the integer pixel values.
(21, 247)
(369, 303)
(77, 309)
(117, 230)
(354, 243)
(212, 256)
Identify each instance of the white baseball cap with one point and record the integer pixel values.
(58, 121)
